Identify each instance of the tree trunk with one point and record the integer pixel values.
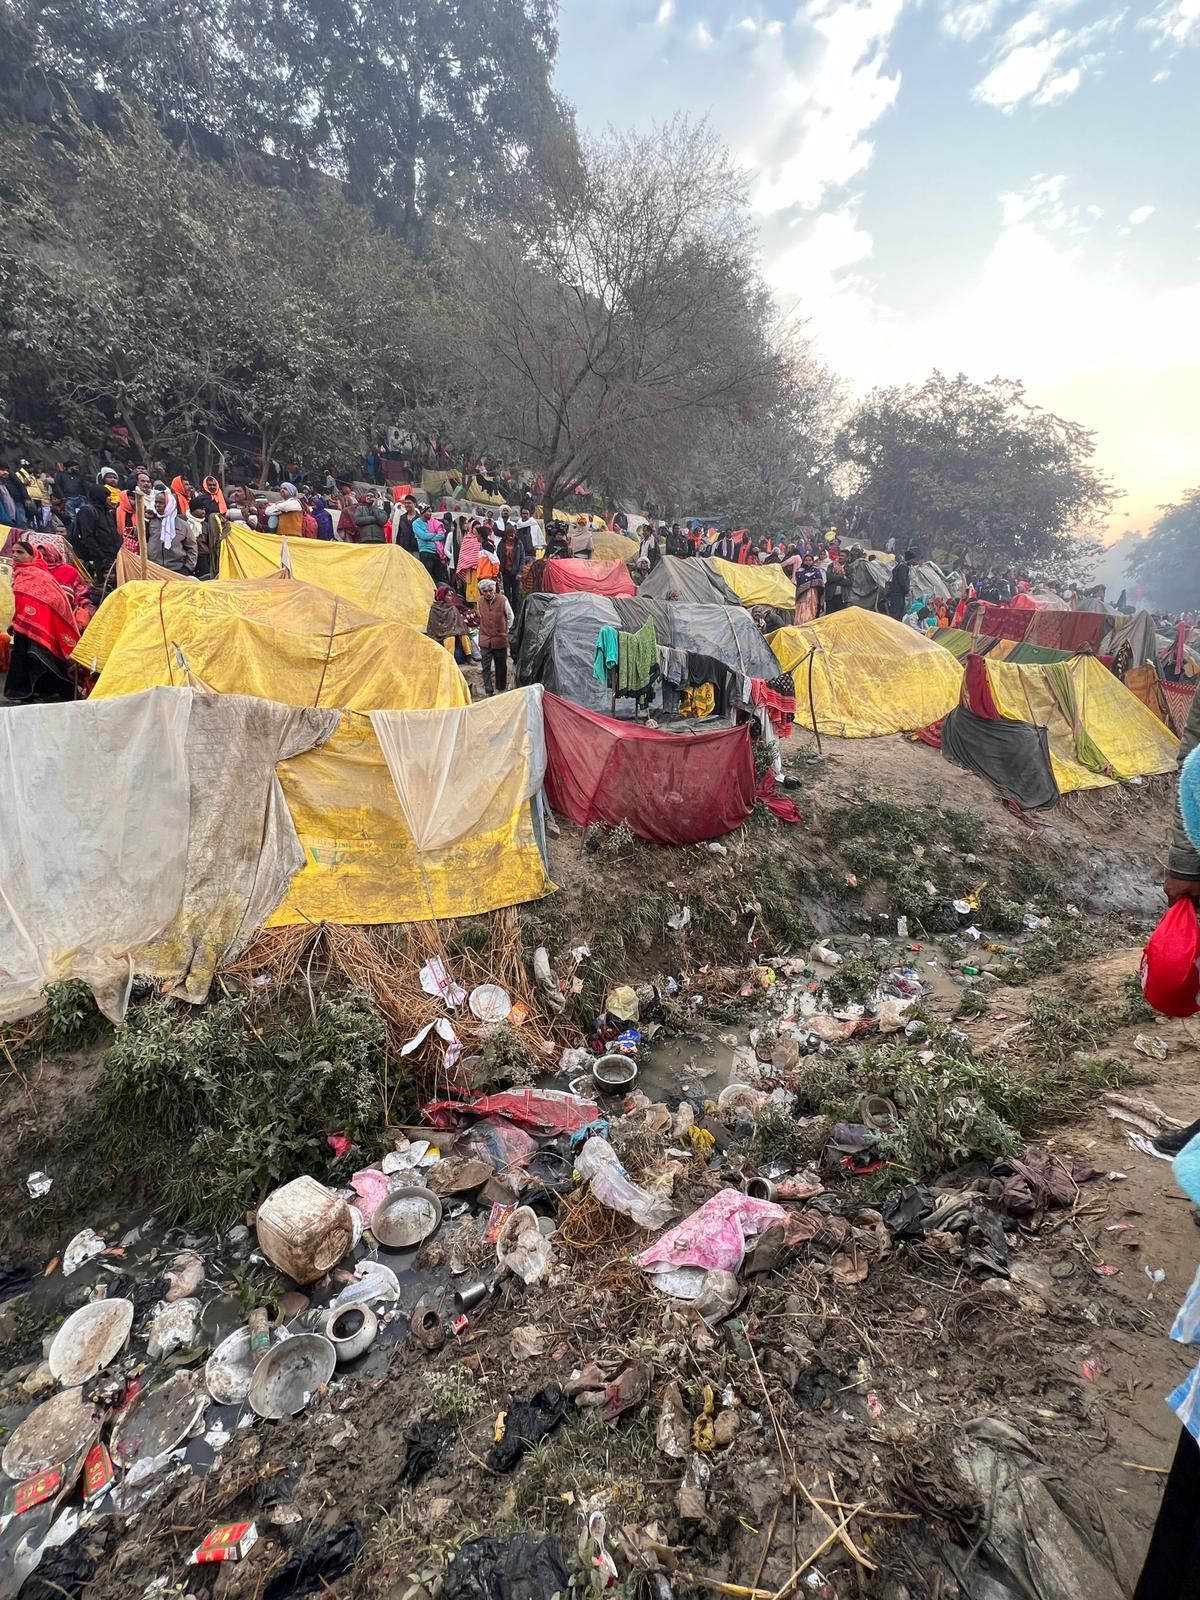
(548, 501)
(135, 437)
(266, 445)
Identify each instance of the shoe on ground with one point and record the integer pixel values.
(1170, 1144)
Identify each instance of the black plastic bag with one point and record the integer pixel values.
(528, 1422)
(310, 1570)
(424, 1441)
(521, 1568)
(904, 1211)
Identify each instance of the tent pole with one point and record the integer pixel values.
(812, 710)
(139, 505)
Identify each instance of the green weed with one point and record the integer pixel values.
(507, 1060)
(1134, 1007)
(455, 1395)
(214, 1112)
(72, 1019)
(1060, 1025)
(853, 982)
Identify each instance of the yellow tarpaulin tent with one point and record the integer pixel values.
(870, 674)
(381, 578)
(1099, 732)
(609, 545)
(758, 586)
(288, 641)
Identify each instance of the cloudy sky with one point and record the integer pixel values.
(987, 186)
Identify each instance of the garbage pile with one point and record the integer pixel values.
(492, 1203)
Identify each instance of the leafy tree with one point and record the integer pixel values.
(422, 108)
(222, 308)
(615, 319)
(1167, 563)
(951, 465)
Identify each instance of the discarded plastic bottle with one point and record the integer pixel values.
(260, 1334)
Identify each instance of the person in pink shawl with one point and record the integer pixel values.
(468, 561)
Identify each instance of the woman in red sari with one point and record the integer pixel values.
(44, 633)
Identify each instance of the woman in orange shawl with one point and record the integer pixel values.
(44, 633)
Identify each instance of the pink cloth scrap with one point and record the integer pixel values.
(711, 1239)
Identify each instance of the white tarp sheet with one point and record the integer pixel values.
(142, 834)
(463, 770)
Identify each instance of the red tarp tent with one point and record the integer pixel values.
(1057, 630)
(569, 575)
(672, 788)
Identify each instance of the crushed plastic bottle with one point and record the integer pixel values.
(597, 1163)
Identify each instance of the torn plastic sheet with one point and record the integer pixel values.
(542, 1111)
(445, 1031)
(437, 981)
(712, 1238)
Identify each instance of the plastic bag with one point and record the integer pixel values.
(1170, 973)
(597, 1164)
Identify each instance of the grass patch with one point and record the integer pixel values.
(1033, 880)
(779, 1140)
(953, 1108)
(997, 912)
(1061, 1026)
(214, 1111)
(507, 1060)
(789, 929)
(1067, 940)
(618, 844)
(1133, 1007)
(455, 1395)
(853, 981)
(583, 1456)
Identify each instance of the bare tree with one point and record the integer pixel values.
(619, 318)
(775, 469)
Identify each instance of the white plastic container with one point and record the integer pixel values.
(304, 1229)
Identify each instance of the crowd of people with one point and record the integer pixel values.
(70, 530)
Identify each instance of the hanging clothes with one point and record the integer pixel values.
(777, 697)
(606, 654)
(637, 659)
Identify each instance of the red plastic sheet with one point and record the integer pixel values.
(546, 1111)
(569, 575)
(1057, 630)
(672, 788)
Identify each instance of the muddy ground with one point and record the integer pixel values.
(874, 1381)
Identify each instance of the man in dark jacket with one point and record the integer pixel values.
(95, 536)
(72, 486)
(405, 537)
(899, 582)
(371, 520)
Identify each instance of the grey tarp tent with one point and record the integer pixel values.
(555, 640)
(1138, 632)
(693, 579)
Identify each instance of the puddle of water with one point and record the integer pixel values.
(679, 1068)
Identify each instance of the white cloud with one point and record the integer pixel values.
(704, 36)
(967, 22)
(1174, 23)
(1059, 87)
(1141, 214)
(665, 12)
(1036, 59)
(819, 87)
